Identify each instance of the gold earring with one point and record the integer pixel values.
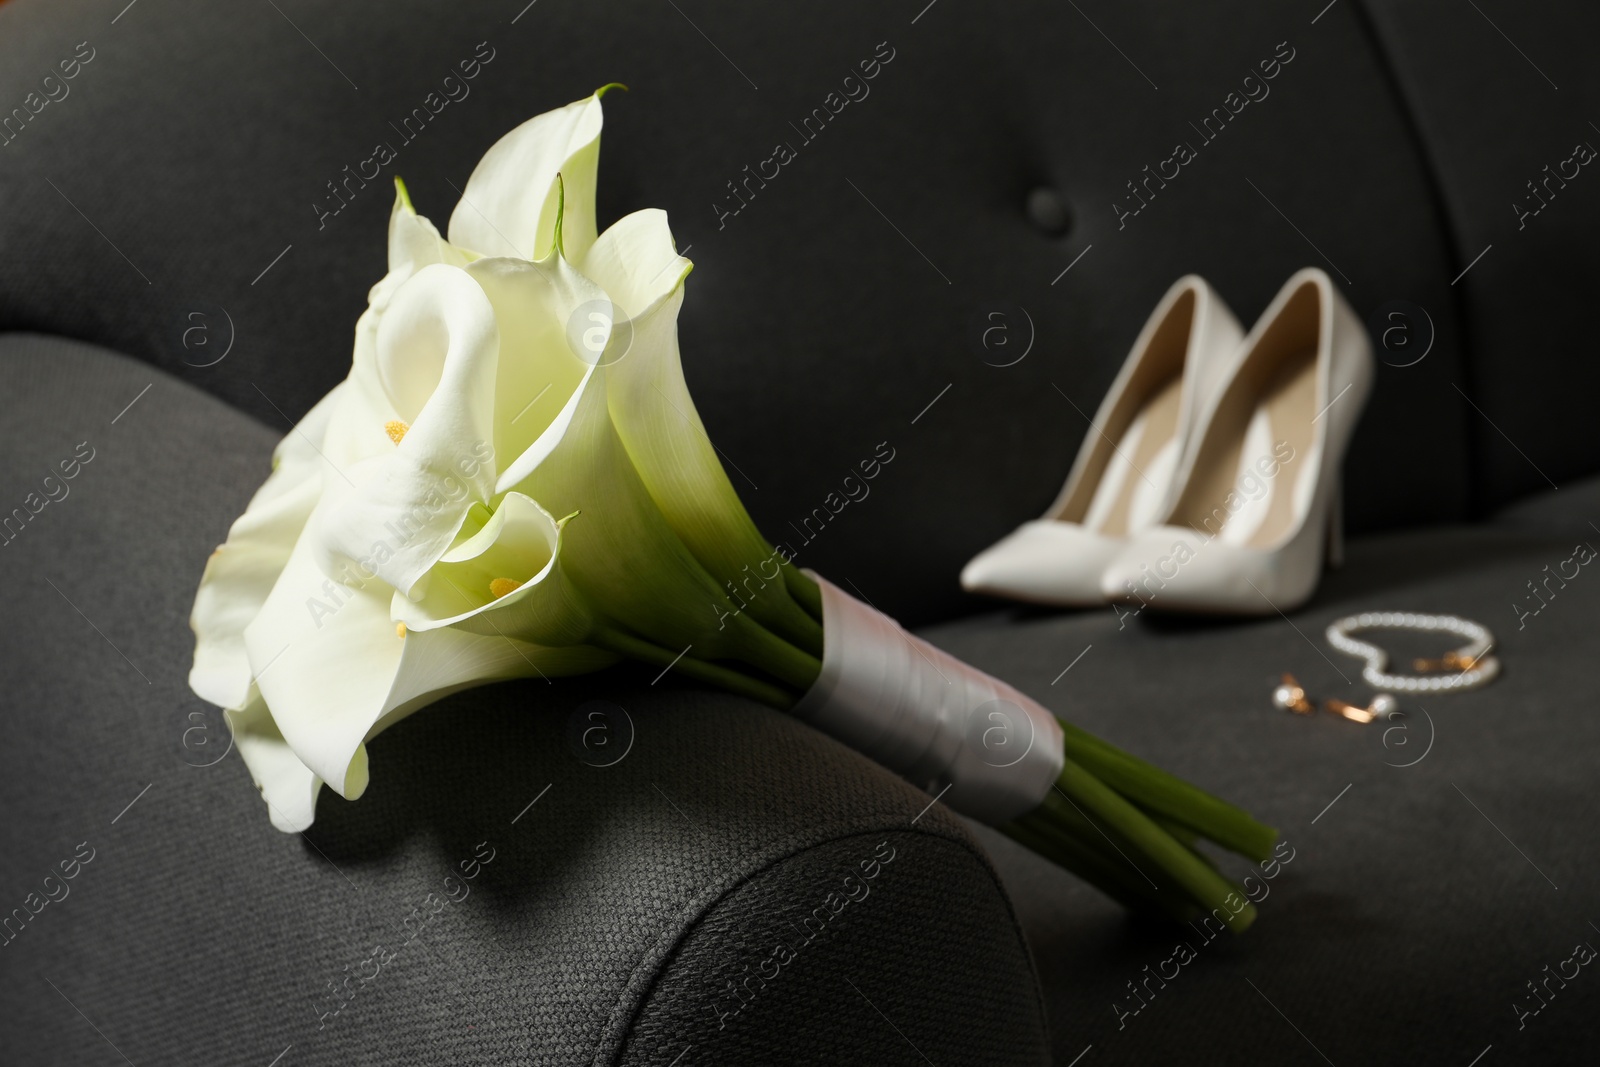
(1383, 705)
(1290, 697)
(1450, 661)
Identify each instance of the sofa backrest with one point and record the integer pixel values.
(947, 269)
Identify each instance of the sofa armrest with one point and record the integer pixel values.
(609, 899)
(808, 961)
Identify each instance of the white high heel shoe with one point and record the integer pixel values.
(1255, 509)
(1121, 479)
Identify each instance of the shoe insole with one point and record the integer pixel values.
(1258, 482)
(1291, 405)
(1130, 491)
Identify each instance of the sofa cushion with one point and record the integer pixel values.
(190, 931)
(1439, 862)
(1573, 511)
(1499, 97)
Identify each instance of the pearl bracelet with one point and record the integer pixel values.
(1477, 667)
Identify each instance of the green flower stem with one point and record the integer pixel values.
(1141, 874)
(1120, 817)
(1079, 837)
(804, 591)
(1184, 835)
(1093, 868)
(1169, 796)
(701, 670)
(765, 650)
(790, 622)
(801, 630)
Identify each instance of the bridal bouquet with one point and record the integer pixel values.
(513, 482)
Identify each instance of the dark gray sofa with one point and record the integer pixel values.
(171, 203)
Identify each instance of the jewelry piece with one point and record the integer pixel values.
(1450, 661)
(1290, 697)
(1476, 666)
(1383, 705)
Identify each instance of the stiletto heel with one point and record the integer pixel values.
(1122, 477)
(1336, 529)
(1255, 510)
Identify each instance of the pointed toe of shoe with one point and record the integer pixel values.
(1120, 579)
(1166, 568)
(1043, 562)
(999, 572)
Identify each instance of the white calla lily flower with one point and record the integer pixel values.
(404, 546)
(294, 634)
(507, 577)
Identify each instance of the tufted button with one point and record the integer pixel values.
(1047, 212)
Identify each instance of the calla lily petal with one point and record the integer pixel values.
(618, 548)
(358, 431)
(325, 657)
(667, 442)
(510, 204)
(636, 261)
(242, 571)
(288, 786)
(535, 307)
(414, 243)
(657, 421)
(436, 357)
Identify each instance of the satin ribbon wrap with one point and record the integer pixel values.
(926, 715)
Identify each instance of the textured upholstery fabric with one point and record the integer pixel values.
(914, 910)
(195, 933)
(1501, 96)
(1573, 511)
(813, 330)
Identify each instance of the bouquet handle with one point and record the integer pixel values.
(992, 752)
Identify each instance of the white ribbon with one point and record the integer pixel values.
(927, 716)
